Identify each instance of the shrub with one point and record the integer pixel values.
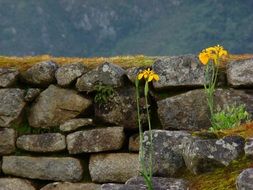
(231, 116)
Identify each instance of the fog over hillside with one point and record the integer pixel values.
(119, 27)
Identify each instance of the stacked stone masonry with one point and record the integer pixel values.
(53, 135)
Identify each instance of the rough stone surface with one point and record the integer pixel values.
(56, 105)
(133, 72)
(31, 94)
(68, 73)
(47, 142)
(15, 184)
(186, 111)
(189, 111)
(239, 73)
(179, 71)
(71, 186)
(7, 141)
(167, 151)
(245, 180)
(115, 167)
(96, 140)
(11, 106)
(44, 168)
(249, 147)
(134, 143)
(8, 77)
(120, 109)
(40, 74)
(206, 155)
(106, 74)
(162, 183)
(74, 124)
(115, 186)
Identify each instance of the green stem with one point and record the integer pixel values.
(210, 89)
(150, 131)
(141, 152)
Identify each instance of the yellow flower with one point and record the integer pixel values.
(212, 53)
(204, 58)
(148, 75)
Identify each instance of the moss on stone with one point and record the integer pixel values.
(244, 130)
(23, 63)
(221, 178)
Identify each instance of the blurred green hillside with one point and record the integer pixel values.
(120, 27)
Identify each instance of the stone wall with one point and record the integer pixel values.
(52, 130)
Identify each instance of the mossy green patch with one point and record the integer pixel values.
(244, 130)
(23, 63)
(25, 129)
(221, 178)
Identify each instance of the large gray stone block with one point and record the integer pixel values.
(15, 184)
(68, 73)
(8, 77)
(239, 73)
(40, 74)
(47, 142)
(189, 111)
(7, 141)
(44, 168)
(245, 180)
(11, 106)
(71, 186)
(96, 140)
(56, 105)
(179, 71)
(114, 167)
(105, 74)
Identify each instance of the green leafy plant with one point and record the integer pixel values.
(146, 172)
(103, 93)
(230, 117)
(23, 128)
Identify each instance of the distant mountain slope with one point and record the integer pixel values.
(112, 27)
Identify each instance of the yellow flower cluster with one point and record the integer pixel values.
(148, 75)
(212, 53)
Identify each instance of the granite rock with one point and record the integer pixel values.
(43, 168)
(11, 106)
(74, 124)
(71, 186)
(105, 74)
(245, 180)
(179, 71)
(56, 105)
(239, 73)
(7, 141)
(8, 77)
(113, 167)
(96, 140)
(67, 74)
(41, 74)
(47, 142)
(15, 184)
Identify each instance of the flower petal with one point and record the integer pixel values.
(150, 78)
(204, 58)
(156, 77)
(140, 76)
